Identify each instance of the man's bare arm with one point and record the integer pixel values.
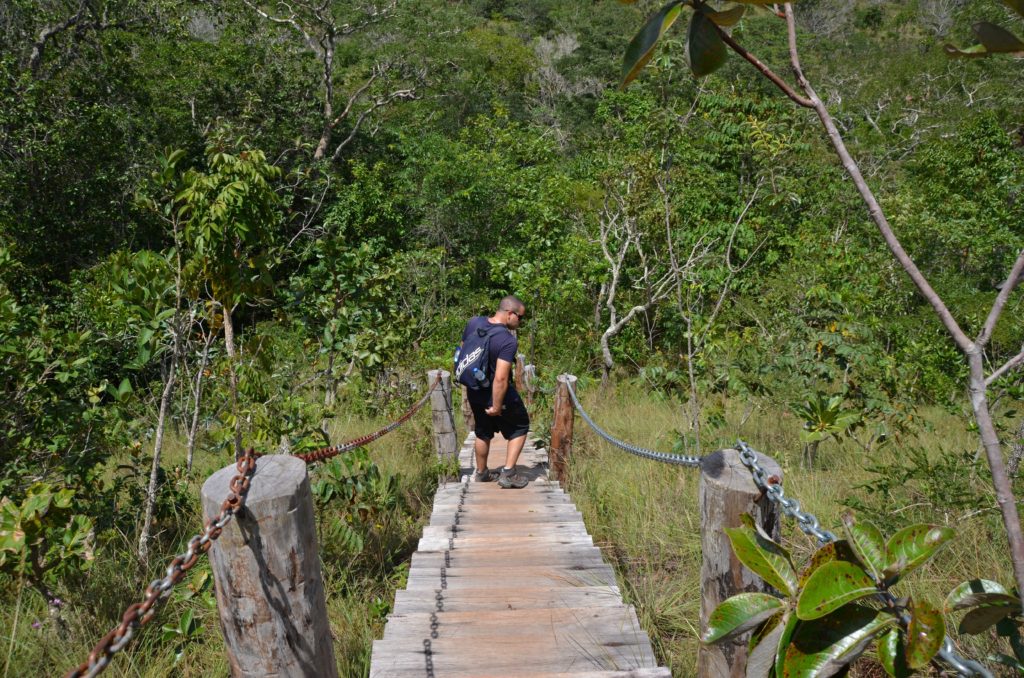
(502, 371)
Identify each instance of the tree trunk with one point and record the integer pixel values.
(994, 453)
(154, 473)
(193, 429)
(229, 344)
(1016, 452)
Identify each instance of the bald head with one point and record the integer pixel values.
(511, 303)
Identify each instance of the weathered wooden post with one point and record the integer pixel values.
(561, 427)
(266, 566)
(520, 369)
(446, 444)
(530, 382)
(726, 492)
(467, 411)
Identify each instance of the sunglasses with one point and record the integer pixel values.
(521, 316)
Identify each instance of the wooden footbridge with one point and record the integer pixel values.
(509, 583)
(504, 582)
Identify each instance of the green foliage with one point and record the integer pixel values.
(816, 626)
(42, 539)
(989, 605)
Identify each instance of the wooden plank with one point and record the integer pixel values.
(497, 598)
(456, 659)
(611, 624)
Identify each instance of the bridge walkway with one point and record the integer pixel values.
(509, 583)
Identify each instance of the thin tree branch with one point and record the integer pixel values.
(765, 71)
(877, 215)
(1004, 294)
(1010, 364)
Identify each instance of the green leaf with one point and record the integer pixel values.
(835, 550)
(972, 52)
(784, 642)
(913, 545)
(833, 585)
(739, 614)
(868, 543)
(997, 39)
(891, 654)
(727, 17)
(704, 47)
(823, 648)
(984, 617)
(761, 656)
(978, 592)
(763, 557)
(641, 47)
(925, 634)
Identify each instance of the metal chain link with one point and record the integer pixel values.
(334, 450)
(678, 459)
(140, 614)
(808, 523)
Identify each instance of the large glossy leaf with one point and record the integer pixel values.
(727, 17)
(833, 585)
(823, 648)
(985, 616)
(913, 545)
(925, 634)
(761, 656)
(641, 47)
(740, 614)
(787, 637)
(997, 39)
(978, 592)
(834, 550)
(892, 654)
(704, 47)
(972, 52)
(764, 558)
(868, 543)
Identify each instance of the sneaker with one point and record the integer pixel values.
(512, 480)
(486, 476)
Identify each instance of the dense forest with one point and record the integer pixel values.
(241, 223)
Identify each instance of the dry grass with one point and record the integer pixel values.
(645, 514)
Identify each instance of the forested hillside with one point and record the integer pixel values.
(242, 223)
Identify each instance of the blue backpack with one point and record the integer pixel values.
(471, 363)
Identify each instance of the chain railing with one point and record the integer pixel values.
(772, 487)
(808, 523)
(678, 459)
(140, 614)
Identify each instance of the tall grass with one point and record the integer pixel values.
(359, 589)
(645, 516)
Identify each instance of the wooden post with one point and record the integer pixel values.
(726, 492)
(266, 566)
(467, 411)
(520, 368)
(530, 381)
(446, 445)
(561, 427)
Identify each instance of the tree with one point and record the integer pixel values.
(708, 41)
(229, 214)
(324, 27)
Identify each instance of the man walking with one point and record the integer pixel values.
(499, 407)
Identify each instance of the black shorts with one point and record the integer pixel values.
(514, 421)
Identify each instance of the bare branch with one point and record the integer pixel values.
(765, 71)
(1010, 364)
(1012, 281)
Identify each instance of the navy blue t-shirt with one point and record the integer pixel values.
(505, 346)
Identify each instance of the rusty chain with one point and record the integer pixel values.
(140, 614)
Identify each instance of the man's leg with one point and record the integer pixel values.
(515, 447)
(482, 448)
